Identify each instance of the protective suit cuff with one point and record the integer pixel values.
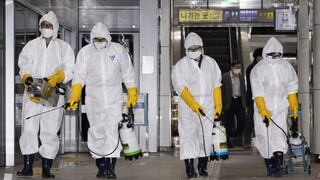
(254, 97)
(217, 86)
(292, 92)
(24, 74)
(130, 84)
(132, 87)
(66, 77)
(78, 82)
(180, 90)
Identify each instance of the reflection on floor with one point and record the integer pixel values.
(243, 164)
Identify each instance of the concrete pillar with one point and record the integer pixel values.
(165, 76)
(149, 70)
(315, 148)
(304, 67)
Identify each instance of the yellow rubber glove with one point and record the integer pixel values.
(262, 107)
(57, 77)
(75, 97)
(217, 95)
(25, 77)
(194, 106)
(132, 97)
(293, 105)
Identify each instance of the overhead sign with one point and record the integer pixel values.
(256, 16)
(234, 16)
(285, 20)
(200, 15)
(231, 16)
(266, 15)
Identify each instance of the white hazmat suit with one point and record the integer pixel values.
(42, 61)
(102, 72)
(272, 79)
(200, 82)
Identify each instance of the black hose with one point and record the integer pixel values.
(203, 139)
(288, 142)
(65, 106)
(95, 153)
(203, 114)
(91, 151)
(214, 124)
(102, 155)
(267, 125)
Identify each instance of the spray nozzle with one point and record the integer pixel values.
(201, 112)
(130, 117)
(266, 121)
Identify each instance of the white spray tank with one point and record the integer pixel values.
(130, 144)
(219, 142)
(296, 141)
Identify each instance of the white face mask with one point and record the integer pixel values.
(100, 45)
(47, 33)
(274, 60)
(236, 71)
(194, 55)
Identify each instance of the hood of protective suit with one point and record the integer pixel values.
(273, 45)
(192, 39)
(100, 30)
(51, 18)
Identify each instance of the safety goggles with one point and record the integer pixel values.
(274, 55)
(99, 40)
(195, 49)
(46, 25)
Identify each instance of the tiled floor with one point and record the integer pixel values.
(161, 166)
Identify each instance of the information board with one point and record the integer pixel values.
(235, 16)
(285, 20)
(200, 15)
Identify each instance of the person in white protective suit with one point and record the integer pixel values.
(197, 80)
(43, 57)
(102, 66)
(274, 87)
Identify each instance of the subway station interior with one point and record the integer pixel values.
(155, 36)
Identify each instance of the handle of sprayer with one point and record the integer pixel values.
(66, 105)
(130, 117)
(59, 88)
(294, 124)
(294, 127)
(201, 112)
(266, 121)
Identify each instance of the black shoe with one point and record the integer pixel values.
(190, 169)
(27, 168)
(202, 166)
(46, 166)
(111, 164)
(101, 165)
(268, 163)
(277, 168)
